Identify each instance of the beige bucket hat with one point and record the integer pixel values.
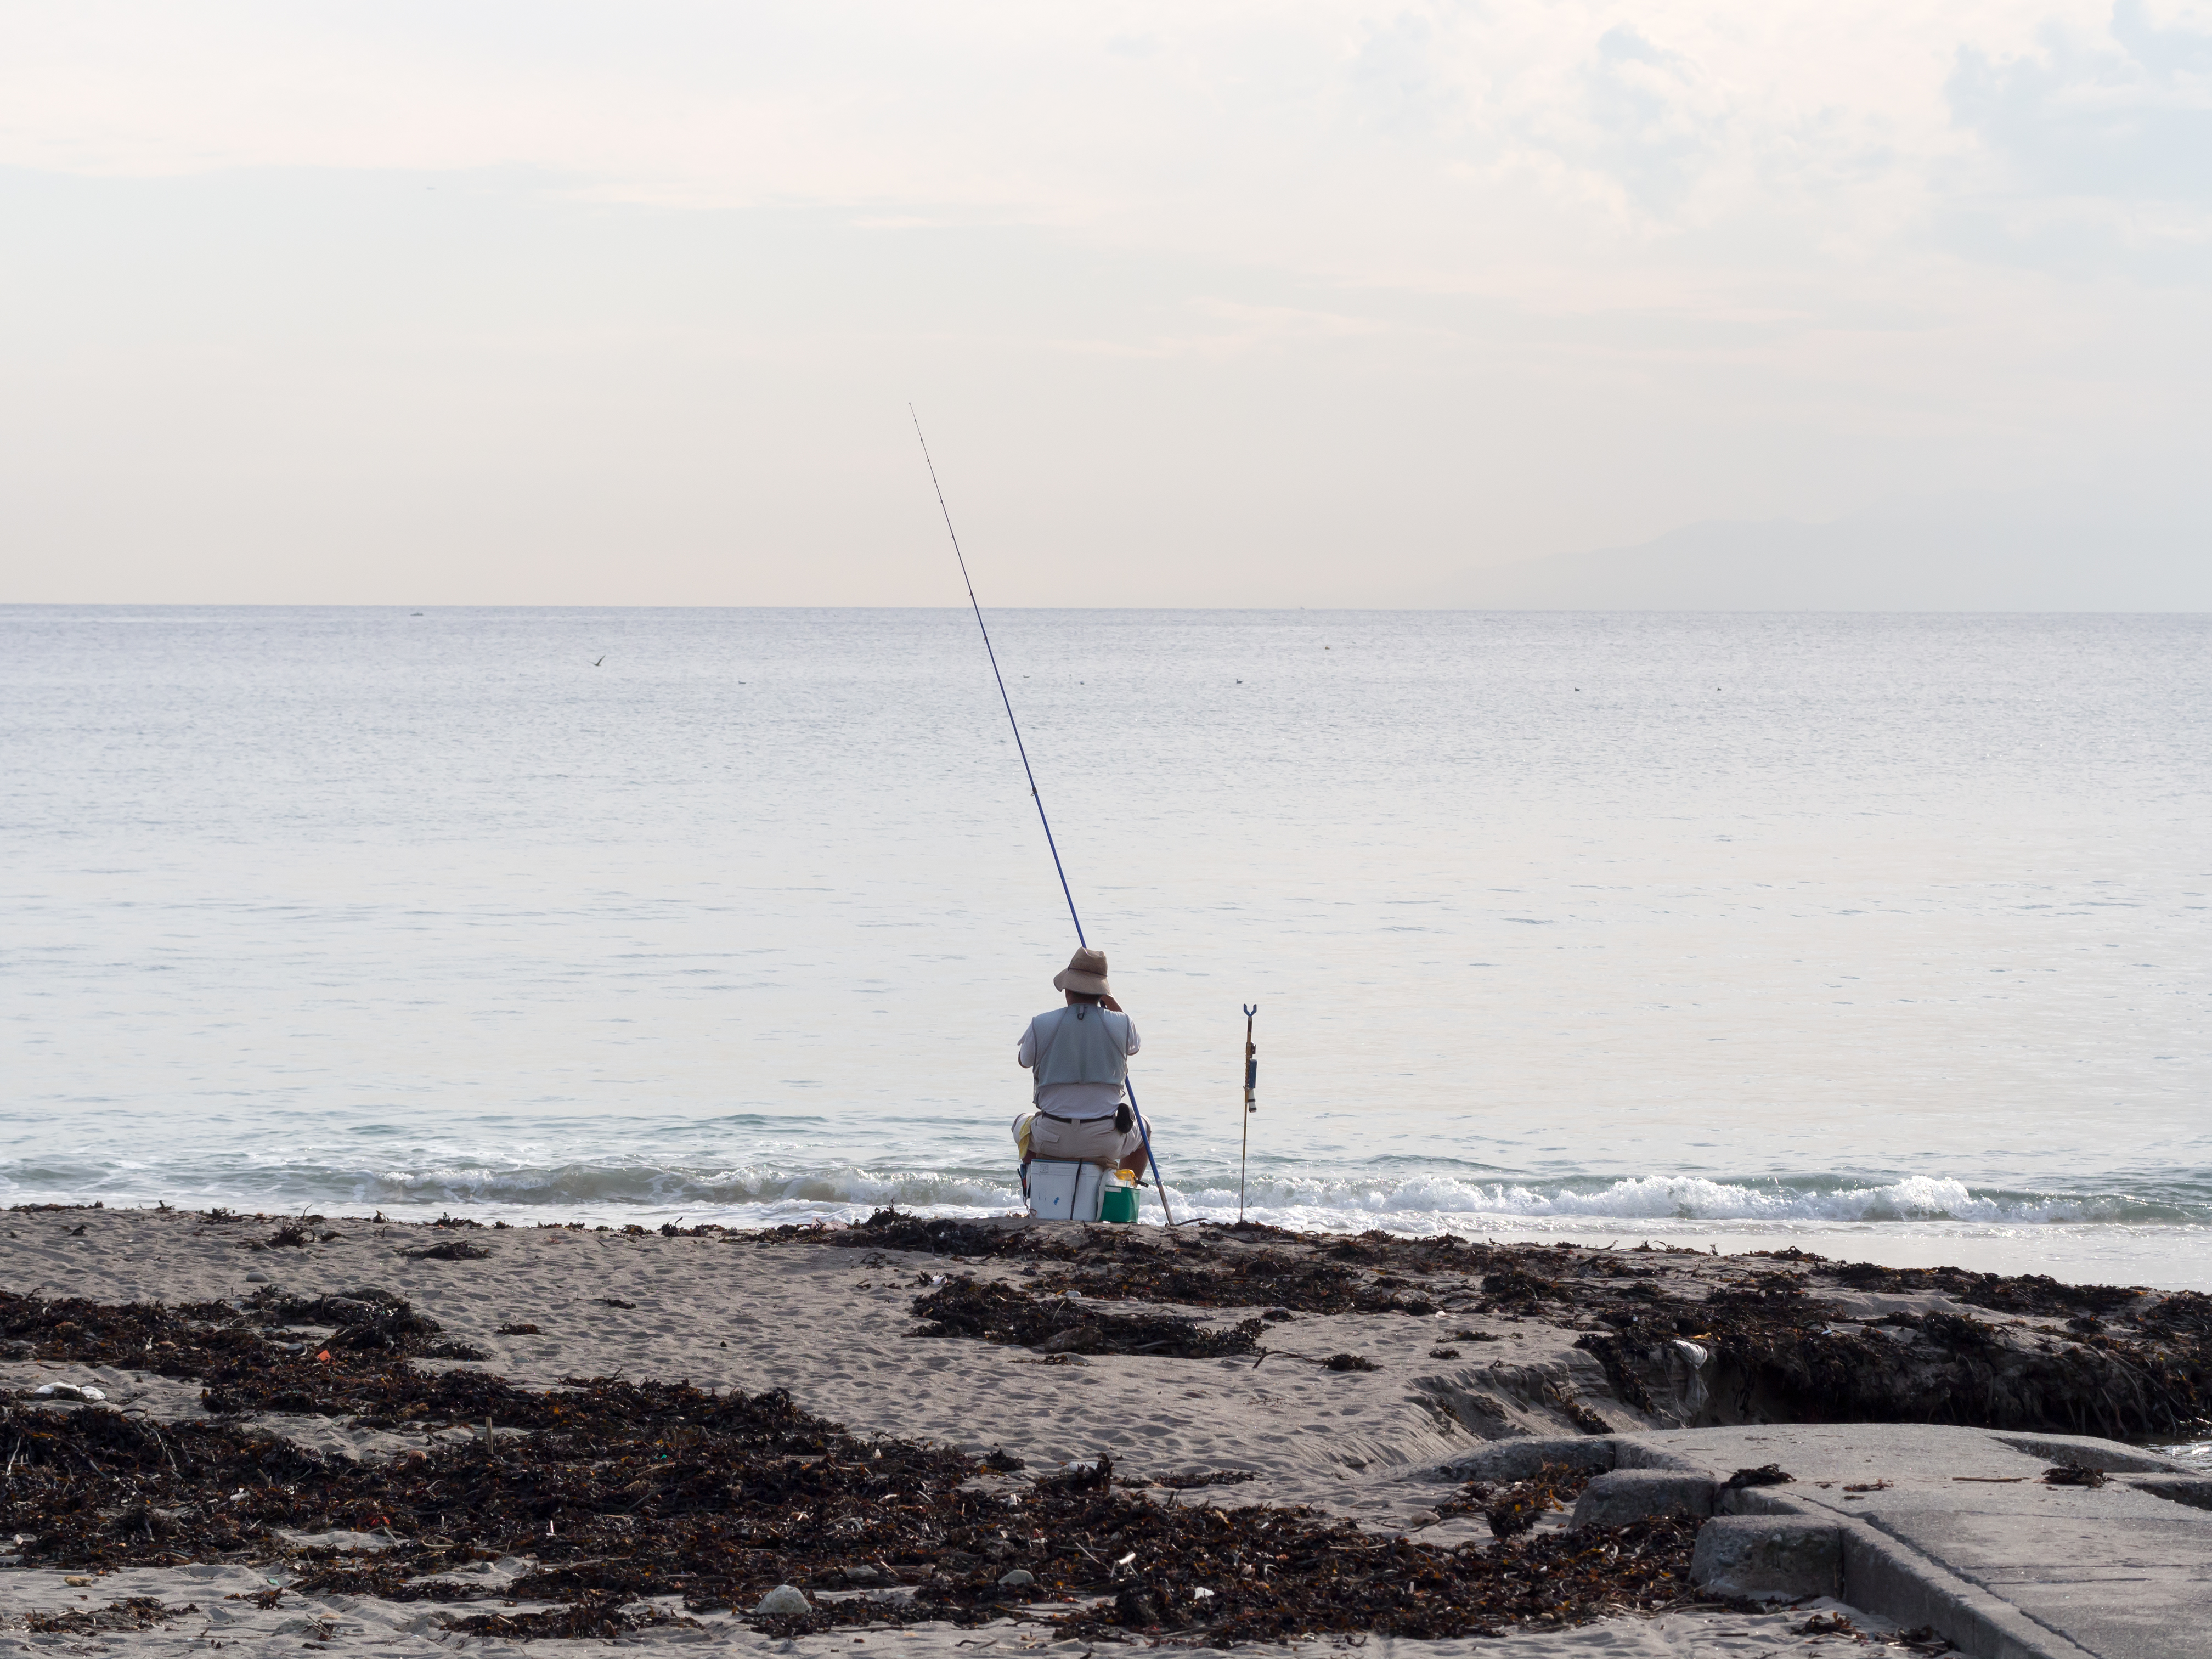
(1086, 972)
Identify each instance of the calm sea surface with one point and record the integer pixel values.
(1883, 936)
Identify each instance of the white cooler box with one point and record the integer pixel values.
(1061, 1189)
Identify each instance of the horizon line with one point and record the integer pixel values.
(422, 607)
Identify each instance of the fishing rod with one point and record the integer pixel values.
(1151, 1159)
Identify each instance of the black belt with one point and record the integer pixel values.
(1103, 1117)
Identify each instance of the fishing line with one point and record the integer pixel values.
(1143, 1129)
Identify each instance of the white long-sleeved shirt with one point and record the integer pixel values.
(1079, 1100)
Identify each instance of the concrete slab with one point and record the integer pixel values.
(1623, 1495)
(1762, 1557)
(1948, 1526)
(1959, 1522)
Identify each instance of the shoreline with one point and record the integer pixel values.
(1464, 1344)
(2165, 1255)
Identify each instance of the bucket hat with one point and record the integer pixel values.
(1086, 972)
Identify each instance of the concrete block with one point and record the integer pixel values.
(2195, 1490)
(1517, 1459)
(1889, 1577)
(2083, 1452)
(1768, 1557)
(1626, 1495)
(1651, 1451)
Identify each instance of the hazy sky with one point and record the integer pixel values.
(1203, 303)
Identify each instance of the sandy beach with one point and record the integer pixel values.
(1457, 1345)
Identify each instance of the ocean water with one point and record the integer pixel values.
(1884, 936)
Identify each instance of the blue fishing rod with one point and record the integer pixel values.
(1151, 1159)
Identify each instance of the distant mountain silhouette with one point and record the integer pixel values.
(1934, 556)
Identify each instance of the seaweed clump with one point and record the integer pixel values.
(1784, 1352)
(131, 1613)
(2034, 1294)
(620, 1491)
(1264, 1278)
(1338, 1580)
(1778, 1347)
(1002, 1314)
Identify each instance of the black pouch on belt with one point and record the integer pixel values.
(1124, 1119)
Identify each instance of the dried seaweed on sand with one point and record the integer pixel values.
(1002, 1313)
(620, 1491)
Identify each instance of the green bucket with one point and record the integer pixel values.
(1118, 1204)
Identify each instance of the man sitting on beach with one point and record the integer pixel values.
(1080, 1056)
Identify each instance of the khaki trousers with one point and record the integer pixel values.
(1095, 1140)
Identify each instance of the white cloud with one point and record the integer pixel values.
(1733, 261)
(1290, 130)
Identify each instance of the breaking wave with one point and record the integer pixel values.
(1408, 1201)
(1698, 1198)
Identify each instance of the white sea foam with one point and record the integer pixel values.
(2110, 1238)
(1689, 1198)
(1428, 1201)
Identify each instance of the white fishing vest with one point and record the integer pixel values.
(1080, 1044)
